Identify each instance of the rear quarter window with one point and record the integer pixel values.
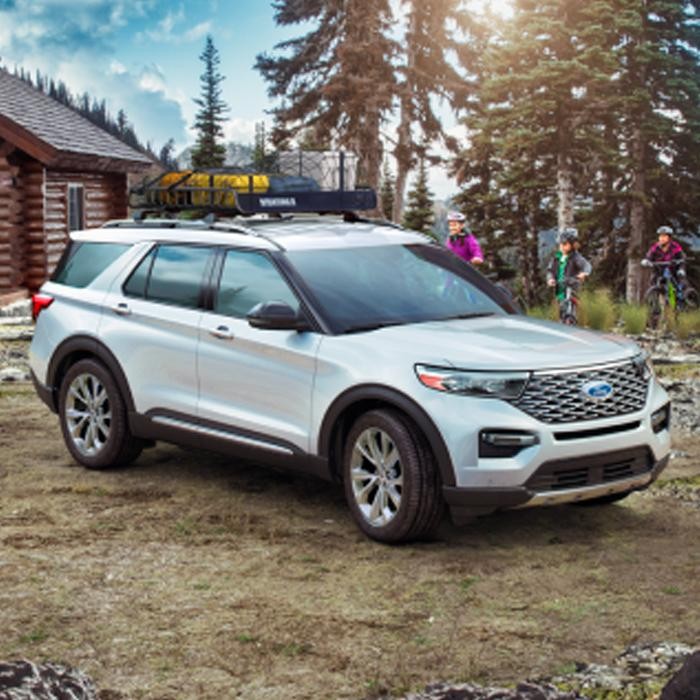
(82, 262)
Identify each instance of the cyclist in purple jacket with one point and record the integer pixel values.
(461, 241)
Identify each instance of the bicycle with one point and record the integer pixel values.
(666, 294)
(568, 306)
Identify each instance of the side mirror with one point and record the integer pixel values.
(277, 316)
(509, 296)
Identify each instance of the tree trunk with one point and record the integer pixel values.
(637, 219)
(403, 156)
(404, 147)
(530, 253)
(565, 176)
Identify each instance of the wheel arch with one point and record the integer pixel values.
(84, 347)
(352, 403)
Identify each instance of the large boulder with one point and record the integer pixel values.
(685, 685)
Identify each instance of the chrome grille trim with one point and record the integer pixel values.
(555, 397)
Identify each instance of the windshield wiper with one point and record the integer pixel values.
(474, 314)
(362, 327)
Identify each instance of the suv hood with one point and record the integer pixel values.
(502, 343)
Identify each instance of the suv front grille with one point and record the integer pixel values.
(557, 397)
(594, 470)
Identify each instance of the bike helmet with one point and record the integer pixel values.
(664, 230)
(568, 235)
(456, 216)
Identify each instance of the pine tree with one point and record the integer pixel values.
(209, 152)
(660, 115)
(426, 72)
(337, 79)
(387, 192)
(263, 160)
(419, 212)
(166, 156)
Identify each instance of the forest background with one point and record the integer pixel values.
(573, 114)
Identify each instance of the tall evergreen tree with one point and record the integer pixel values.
(166, 155)
(336, 79)
(419, 214)
(660, 115)
(426, 72)
(388, 192)
(209, 151)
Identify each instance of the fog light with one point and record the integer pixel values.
(661, 419)
(504, 443)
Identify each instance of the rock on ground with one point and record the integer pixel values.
(24, 680)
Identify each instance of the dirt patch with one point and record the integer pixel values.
(192, 576)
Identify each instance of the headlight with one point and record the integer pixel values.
(495, 385)
(644, 365)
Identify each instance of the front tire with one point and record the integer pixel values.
(391, 480)
(93, 418)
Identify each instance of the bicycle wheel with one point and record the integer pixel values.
(655, 302)
(690, 300)
(567, 313)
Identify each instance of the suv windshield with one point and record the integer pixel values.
(366, 288)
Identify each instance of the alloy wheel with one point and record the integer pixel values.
(88, 414)
(376, 477)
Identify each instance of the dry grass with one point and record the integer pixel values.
(188, 576)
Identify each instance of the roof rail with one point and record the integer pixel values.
(206, 224)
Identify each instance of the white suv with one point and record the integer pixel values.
(348, 349)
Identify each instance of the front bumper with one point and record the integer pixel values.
(594, 480)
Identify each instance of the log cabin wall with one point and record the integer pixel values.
(104, 198)
(33, 206)
(12, 265)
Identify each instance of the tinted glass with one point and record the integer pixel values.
(85, 261)
(136, 284)
(247, 279)
(177, 273)
(385, 285)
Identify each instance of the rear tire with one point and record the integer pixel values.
(93, 418)
(391, 481)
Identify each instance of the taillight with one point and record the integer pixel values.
(39, 303)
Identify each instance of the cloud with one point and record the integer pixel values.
(168, 31)
(240, 130)
(76, 40)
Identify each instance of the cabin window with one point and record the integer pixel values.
(76, 208)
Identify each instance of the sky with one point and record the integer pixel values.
(142, 56)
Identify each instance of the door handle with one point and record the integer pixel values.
(222, 332)
(121, 309)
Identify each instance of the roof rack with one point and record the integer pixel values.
(244, 191)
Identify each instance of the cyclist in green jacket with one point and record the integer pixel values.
(567, 264)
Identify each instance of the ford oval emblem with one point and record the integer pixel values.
(597, 390)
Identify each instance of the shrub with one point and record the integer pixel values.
(597, 310)
(547, 312)
(688, 324)
(634, 318)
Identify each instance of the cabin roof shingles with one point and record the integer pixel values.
(60, 127)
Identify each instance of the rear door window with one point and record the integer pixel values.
(84, 261)
(172, 274)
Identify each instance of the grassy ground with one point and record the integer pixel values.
(188, 576)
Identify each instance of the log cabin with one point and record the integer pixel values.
(59, 172)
